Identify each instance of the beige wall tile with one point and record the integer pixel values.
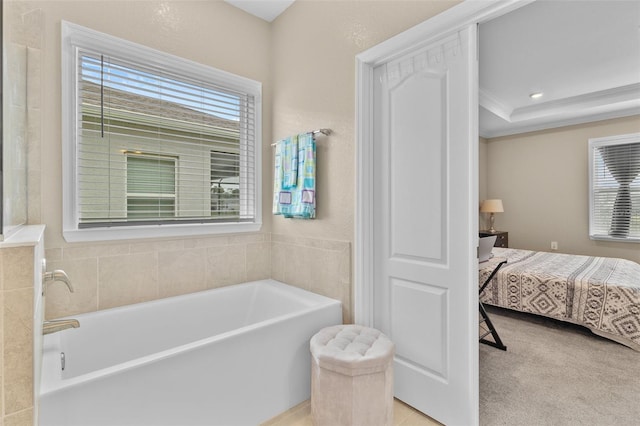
(322, 271)
(156, 246)
(22, 418)
(53, 254)
(246, 238)
(83, 274)
(226, 266)
(258, 261)
(278, 261)
(218, 241)
(300, 268)
(17, 268)
(85, 252)
(327, 268)
(123, 280)
(181, 272)
(310, 242)
(18, 350)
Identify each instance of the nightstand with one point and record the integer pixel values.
(502, 238)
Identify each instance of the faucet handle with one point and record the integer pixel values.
(58, 275)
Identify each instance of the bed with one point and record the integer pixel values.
(600, 293)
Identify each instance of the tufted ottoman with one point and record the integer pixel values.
(351, 377)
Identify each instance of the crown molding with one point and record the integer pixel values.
(491, 103)
(603, 98)
(529, 126)
(616, 102)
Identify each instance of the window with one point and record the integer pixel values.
(225, 184)
(155, 145)
(614, 168)
(151, 187)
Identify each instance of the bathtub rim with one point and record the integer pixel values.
(53, 382)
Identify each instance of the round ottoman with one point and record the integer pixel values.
(351, 376)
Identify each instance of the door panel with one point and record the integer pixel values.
(415, 303)
(417, 208)
(425, 172)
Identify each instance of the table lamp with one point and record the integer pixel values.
(492, 206)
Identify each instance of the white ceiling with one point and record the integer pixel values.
(264, 9)
(583, 55)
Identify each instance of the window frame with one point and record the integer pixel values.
(594, 144)
(147, 196)
(75, 37)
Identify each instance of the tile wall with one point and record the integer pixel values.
(117, 274)
(317, 265)
(110, 275)
(16, 335)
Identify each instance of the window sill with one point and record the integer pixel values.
(156, 231)
(614, 239)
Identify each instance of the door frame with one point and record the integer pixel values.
(446, 23)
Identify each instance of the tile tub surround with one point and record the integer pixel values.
(320, 266)
(116, 274)
(18, 257)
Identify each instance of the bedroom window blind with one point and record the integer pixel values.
(159, 140)
(615, 188)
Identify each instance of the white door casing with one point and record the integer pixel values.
(444, 392)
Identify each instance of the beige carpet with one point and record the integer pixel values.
(555, 373)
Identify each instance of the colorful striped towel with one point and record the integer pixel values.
(297, 201)
(289, 162)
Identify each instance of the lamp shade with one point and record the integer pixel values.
(492, 206)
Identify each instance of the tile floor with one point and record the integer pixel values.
(300, 415)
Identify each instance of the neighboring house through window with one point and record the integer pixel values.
(151, 187)
(614, 170)
(155, 145)
(225, 184)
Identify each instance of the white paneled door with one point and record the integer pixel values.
(425, 223)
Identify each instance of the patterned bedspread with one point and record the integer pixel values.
(600, 293)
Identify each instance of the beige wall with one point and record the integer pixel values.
(483, 191)
(117, 273)
(313, 66)
(313, 63)
(306, 62)
(209, 32)
(542, 178)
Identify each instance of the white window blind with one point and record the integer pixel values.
(157, 140)
(615, 188)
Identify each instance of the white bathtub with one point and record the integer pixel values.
(236, 355)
